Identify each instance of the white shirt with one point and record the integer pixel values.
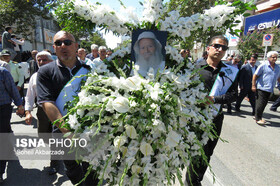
(31, 93)
(18, 42)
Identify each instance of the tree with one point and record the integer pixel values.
(252, 42)
(93, 38)
(22, 14)
(190, 7)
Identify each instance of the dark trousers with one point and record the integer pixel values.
(44, 127)
(197, 174)
(76, 172)
(252, 98)
(261, 102)
(5, 127)
(276, 104)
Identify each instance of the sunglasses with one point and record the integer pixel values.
(66, 42)
(218, 46)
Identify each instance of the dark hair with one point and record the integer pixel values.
(7, 28)
(218, 37)
(13, 36)
(255, 56)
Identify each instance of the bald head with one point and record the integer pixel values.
(63, 33)
(65, 47)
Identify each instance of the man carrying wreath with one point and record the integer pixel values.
(221, 82)
(51, 81)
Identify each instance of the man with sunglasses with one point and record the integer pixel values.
(51, 79)
(220, 81)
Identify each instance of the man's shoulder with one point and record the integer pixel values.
(48, 68)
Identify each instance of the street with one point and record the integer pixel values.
(251, 155)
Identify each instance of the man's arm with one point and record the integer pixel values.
(254, 81)
(30, 99)
(54, 114)
(230, 96)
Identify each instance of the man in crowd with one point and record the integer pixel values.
(263, 83)
(109, 53)
(4, 63)
(236, 64)
(148, 53)
(16, 71)
(102, 54)
(94, 52)
(17, 47)
(7, 42)
(221, 82)
(43, 123)
(51, 79)
(82, 56)
(32, 62)
(245, 84)
(8, 93)
(204, 57)
(183, 53)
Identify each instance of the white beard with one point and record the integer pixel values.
(153, 62)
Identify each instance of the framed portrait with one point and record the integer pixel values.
(148, 50)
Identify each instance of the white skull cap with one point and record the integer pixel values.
(147, 35)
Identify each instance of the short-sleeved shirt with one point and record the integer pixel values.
(267, 76)
(17, 72)
(5, 43)
(8, 89)
(51, 79)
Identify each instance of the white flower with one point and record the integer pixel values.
(121, 104)
(130, 131)
(172, 139)
(73, 121)
(136, 169)
(146, 149)
(119, 141)
(154, 91)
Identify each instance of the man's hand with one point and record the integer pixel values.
(28, 117)
(18, 88)
(254, 89)
(20, 111)
(210, 100)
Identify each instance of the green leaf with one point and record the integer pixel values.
(246, 14)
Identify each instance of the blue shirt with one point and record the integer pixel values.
(267, 76)
(8, 89)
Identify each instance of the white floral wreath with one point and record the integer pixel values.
(143, 131)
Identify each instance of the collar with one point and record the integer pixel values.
(60, 64)
(251, 65)
(220, 65)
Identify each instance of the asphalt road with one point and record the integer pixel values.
(251, 155)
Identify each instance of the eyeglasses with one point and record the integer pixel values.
(218, 46)
(66, 42)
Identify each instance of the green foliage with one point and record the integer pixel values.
(190, 7)
(22, 14)
(70, 21)
(252, 42)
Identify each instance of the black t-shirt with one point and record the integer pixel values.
(209, 75)
(51, 79)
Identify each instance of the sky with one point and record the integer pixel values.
(111, 40)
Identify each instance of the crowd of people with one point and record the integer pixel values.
(49, 75)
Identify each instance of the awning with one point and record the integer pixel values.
(262, 21)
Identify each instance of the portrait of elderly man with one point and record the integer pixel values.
(148, 52)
